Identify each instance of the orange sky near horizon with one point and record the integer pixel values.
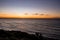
(5, 15)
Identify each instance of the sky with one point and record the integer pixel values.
(30, 8)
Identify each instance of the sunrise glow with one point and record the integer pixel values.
(29, 9)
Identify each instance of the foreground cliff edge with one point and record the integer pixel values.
(18, 35)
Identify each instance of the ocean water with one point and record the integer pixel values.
(48, 28)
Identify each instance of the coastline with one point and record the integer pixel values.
(18, 35)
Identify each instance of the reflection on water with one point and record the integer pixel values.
(50, 28)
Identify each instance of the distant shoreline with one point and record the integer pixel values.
(32, 18)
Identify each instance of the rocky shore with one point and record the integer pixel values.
(18, 35)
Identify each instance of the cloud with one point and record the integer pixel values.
(36, 14)
(42, 14)
(26, 14)
(2, 14)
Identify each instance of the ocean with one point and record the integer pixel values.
(48, 27)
